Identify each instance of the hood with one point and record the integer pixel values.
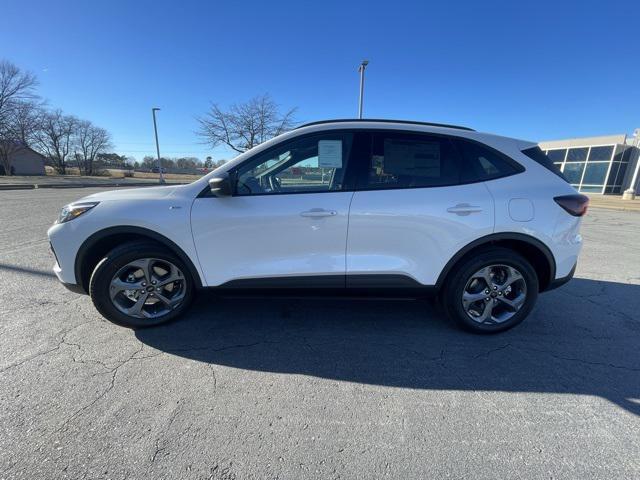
(144, 193)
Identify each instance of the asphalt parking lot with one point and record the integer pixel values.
(317, 388)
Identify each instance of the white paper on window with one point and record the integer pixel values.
(330, 153)
(412, 158)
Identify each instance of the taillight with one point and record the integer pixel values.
(575, 205)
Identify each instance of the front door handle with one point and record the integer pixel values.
(464, 209)
(318, 212)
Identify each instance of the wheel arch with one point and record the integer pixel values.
(101, 242)
(535, 251)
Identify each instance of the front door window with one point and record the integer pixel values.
(307, 165)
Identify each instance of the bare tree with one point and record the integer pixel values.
(89, 142)
(244, 125)
(18, 130)
(15, 86)
(55, 138)
(16, 107)
(27, 117)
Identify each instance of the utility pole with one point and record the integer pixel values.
(155, 129)
(361, 69)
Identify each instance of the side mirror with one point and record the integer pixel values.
(221, 186)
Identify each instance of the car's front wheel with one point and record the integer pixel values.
(491, 292)
(141, 284)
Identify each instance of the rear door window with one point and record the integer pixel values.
(408, 160)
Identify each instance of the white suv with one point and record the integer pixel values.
(344, 206)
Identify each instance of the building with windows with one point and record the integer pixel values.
(596, 164)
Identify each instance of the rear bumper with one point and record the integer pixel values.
(558, 282)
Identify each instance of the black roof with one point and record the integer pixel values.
(381, 120)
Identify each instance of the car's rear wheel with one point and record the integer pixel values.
(141, 284)
(491, 291)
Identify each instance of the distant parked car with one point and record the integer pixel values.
(157, 170)
(374, 207)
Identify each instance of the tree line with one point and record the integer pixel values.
(26, 122)
(177, 163)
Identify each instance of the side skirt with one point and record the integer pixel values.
(375, 285)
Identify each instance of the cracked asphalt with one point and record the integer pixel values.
(317, 388)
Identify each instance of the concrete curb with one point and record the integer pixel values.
(620, 208)
(35, 186)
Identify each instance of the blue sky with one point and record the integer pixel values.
(536, 70)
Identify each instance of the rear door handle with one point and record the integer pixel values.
(319, 212)
(464, 209)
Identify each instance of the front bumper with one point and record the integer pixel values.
(62, 243)
(73, 287)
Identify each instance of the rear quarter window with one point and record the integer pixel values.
(484, 163)
(538, 156)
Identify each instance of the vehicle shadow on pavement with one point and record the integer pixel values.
(580, 339)
(26, 270)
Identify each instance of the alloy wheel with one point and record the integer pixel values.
(494, 294)
(147, 288)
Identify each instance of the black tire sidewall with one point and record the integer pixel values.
(105, 270)
(452, 298)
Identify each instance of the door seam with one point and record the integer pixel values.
(346, 243)
(493, 205)
(203, 277)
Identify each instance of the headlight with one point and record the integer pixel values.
(69, 212)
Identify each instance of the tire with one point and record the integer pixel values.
(151, 261)
(506, 306)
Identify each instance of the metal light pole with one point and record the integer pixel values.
(155, 129)
(361, 69)
(630, 193)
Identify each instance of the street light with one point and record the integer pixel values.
(155, 129)
(361, 69)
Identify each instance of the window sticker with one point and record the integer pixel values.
(330, 153)
(412, 158)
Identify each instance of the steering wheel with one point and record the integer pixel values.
(275, 184)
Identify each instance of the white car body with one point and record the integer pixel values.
(407, 236)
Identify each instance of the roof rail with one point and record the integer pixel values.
(381, 120)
